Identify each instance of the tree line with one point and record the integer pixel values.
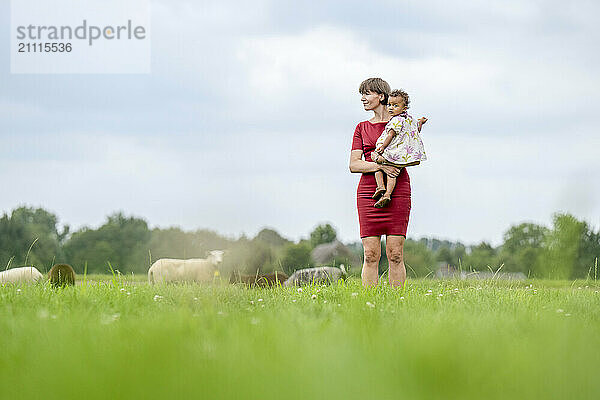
(568, 249)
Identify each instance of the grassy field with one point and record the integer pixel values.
(121, 338)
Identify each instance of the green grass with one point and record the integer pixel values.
(479, 340)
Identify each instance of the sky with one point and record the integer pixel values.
(247, 116)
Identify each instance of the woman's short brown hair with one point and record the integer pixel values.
(375, 85)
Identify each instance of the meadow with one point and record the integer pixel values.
(118, 337)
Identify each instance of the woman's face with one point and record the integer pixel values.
(371, 100)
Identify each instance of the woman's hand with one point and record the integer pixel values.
(390, 171)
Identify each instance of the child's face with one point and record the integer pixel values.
(395, 106)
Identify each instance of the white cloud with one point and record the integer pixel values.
(246, 122)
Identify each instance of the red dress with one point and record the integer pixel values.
(389, 220)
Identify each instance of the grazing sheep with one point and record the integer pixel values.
(266, 280)
(21, 275)
(61, 275)
(192, 270)
(319, 275)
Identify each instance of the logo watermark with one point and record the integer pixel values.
(75, 36)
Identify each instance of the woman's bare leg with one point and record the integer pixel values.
(394, 248)
(370, 270)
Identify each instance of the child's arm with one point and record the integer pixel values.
(391, 134)
(421, 122)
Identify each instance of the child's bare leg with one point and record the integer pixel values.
(387, 196)
(391, 184)
(380, 185)
(379, 179)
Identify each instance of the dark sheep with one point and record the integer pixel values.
(61, 275)
(319, 275)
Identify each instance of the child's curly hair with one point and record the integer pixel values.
(403, 95)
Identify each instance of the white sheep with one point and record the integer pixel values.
(20, 275)
(192, 270)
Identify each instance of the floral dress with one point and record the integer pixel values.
(406, 147)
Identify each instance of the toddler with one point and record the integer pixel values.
(399, 145)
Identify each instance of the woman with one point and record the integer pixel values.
(392, 220)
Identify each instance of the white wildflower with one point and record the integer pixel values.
(157, 297)
(314, 296)
(354, 294)
(369, 304)
(324, 301)
(440, 295)
(252, 302)
(427, 294)
(299, 290)
(293, 301)
(401, 297)
(259, 300)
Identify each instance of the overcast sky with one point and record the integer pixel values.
(247, 117)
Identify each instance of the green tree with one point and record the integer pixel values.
(34, 228)
(588, 262)
(458, 255)
(122, 241)
(322, 234)
(444, 255)
(560, 254)
(296, 256)
(481, 257)
(522, 246)
(419, 260)
(271, 237)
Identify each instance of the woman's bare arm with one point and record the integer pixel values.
(357, 164)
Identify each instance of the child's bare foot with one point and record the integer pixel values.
(384, 201)
(378, 192)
